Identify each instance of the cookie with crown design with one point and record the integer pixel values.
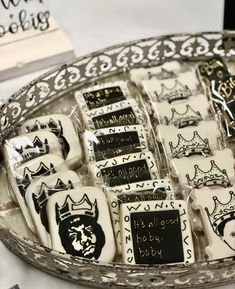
(217, 209)
(29, 146)
(102, 95)
(190, 141)
(160, 189)
(156, 232)
(125, 169)
(172, 90)
(24, 174)
(126, 112)
(213, 171)
(38, 193)
(114, 141)
(80, 224)
(188, 113)
(61, 125)
(167, 70)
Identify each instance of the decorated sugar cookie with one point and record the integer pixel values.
(62, 126)
(102, 95)
(156, 232)
(217, 208)
(125, 169)
(29, 146)
(160, 189)
(114, 141)
(80, 224)
(38, 193)
(22, 177)
(188, 113)
(213, 171)
(167, 70)
(198, 141)
(126, 112)
(171, 90)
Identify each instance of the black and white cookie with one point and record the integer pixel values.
(197, 141)
(101, 95)
(125, 169)
(126, 112)
(213, 171)
(80, 224)
(29, 146)
(61, 125)
(172, 90)
(24, 174)
(38, 193)
(114, 141)
(217, 208)
(156, 232)
(160, 189)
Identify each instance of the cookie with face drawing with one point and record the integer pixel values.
(217, 209)
(38, 193)
(61, 125)
(80, 224)
(24, 174)
(197, 141)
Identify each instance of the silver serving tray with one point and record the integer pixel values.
(58, 83)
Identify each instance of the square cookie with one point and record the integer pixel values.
(156, 232)
(61, 125)
(114, 141)
(29, 146)
(197, 141)
(217, 208)
(80, 224)
(38, 193)
(126, 112)
(101, 95)
(125, 169)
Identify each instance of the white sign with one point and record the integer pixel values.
(17, 16)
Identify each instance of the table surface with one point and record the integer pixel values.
(92, 25)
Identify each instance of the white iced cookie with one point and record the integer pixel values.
(29, 146)
(80, 224)
(38, 193)
(160, 189)
(126, 112)
(125, 169)
(167, 70)
(114, 141)
(187, 113)
(197, 141)
(102, 95)
(156, 232)
(62, 126)
(217, 208)
(215, 171)
(171, 90)
(24, 174)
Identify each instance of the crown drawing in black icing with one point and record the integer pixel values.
(84, 207)
(163, 74)
(185, 148)
(51, 125)
(221, 214)
(46, 191)
(24, 182)
(177, 92)
(37, 147)
(189, 118)
(213, 177)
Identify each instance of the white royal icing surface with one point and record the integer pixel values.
(62, 124)
(89, 201)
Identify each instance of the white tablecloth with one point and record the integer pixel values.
(92, 25)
